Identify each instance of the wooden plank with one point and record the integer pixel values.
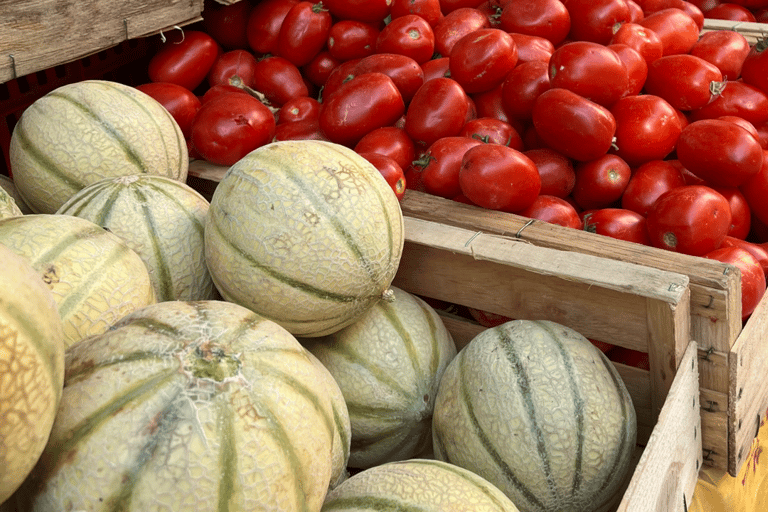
(39, 34)
(751, 31)
(666, 474)
(748, 361)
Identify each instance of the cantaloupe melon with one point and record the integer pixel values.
(31, 368)
(541, 413)
(417, 485)
(188, 406)
(388, 365)
(8, 206)
(7, 184)
(95, 277)
(306, 233)
(85, 131)
(162, 220)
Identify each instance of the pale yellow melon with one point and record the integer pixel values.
(388, 365)
(6, 184)
(31, 368)
(94, 276)
(8, 206)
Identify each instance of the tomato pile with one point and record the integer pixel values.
(620, 117)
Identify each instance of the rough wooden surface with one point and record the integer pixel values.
(39, 34)
(751, 31)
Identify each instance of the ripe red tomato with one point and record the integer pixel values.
(362, 104)
(554, 210)
(352, 39)
(556, 171)
(542, 18)
(488, 129)
(736, 99)
(758, 250)
(305, 129)
(481, 60)
(486, 318)
(438, 109)
(235, 67)
(390, 170)
(618, 223)
(179, 101)
(403, 70)
(755, 190)
(490, 104)
(647, 128)
(279, 80)
(692, 219)
(522, 86)
(741, 215)
(230, 126)
(218, 90)
(499, 178)
(434, 68)
(719, 152)
(408, 35)
(320, 67)
(361, 10)
(648, 182)
(569, 123)
(228, 24)
(629, 357)
(304, 32)
(427, 9)
(184, 60)
(677, 30)
(752, 275)
(338, 76)
(591, 70)
(298, 109)
(730, 11)
(600, 182)
(641, 38)
(685, 81)
(754, 70)
(455, 25)
(264, 24)
(440, 164)
(390, 141)
(532, 48)
(594, 20)
(726, 49)
(744, 124)
(637, 68)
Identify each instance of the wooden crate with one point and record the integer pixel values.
(39, 34)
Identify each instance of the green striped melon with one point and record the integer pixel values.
(95, 277)
(388, 365)
(540, 412)
(8, 206)
(160, 218)
(82, 132)
(31, 366)
(188, 406)
(306, 233)
(418, 485)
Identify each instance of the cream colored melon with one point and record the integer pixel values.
(306, 233)
(31, 368)
(388, 365)
(94, 276)
(83, 132)
(162, 220)
(189, 406)
(6, 184)
(540, 412)
(417, 485)
(8, 206)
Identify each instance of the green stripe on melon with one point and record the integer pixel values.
(536, 409)
(305, 233)
(215, 408)
(90, 130)
(160, 218)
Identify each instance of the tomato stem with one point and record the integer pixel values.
(238, 82)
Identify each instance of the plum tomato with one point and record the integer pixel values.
(304, 32)
(319, 68)
(738, 98)
(647, 128)
(279, 80)
(408, 35)
(532, 48)
(522, 86)
(235, 67)
(403, 70)
(600, 182)
(618, 223)
(542, 18)
(340, 74)
(591, 70)
(264, 22)
(648, 182)
(434, 68)
(758, 250)
(455, 25)
(685, 81)
(438, 109)
(184, 60)
(481, 60)
(744, 124)
(230, 126)
(732, 12)
(490, 104)
(554, 210)
(352, 39)
(642, 39)
(390, 171)
(228, 24)
(637, 68)
(741, 215)
(427, 9)
(755, 190)
(594, 20)
(488, 129)
(692, 219)
(305, 129)
(752, 275)
(440, 164)
(179, 101)
(754, 70)
(556, 171)
(298, 109)
(726, 49)
(361, 10)
(362, 104)
(719, 152)
(390, 141)
(577, 127)
(498, 177)
(676, 28)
